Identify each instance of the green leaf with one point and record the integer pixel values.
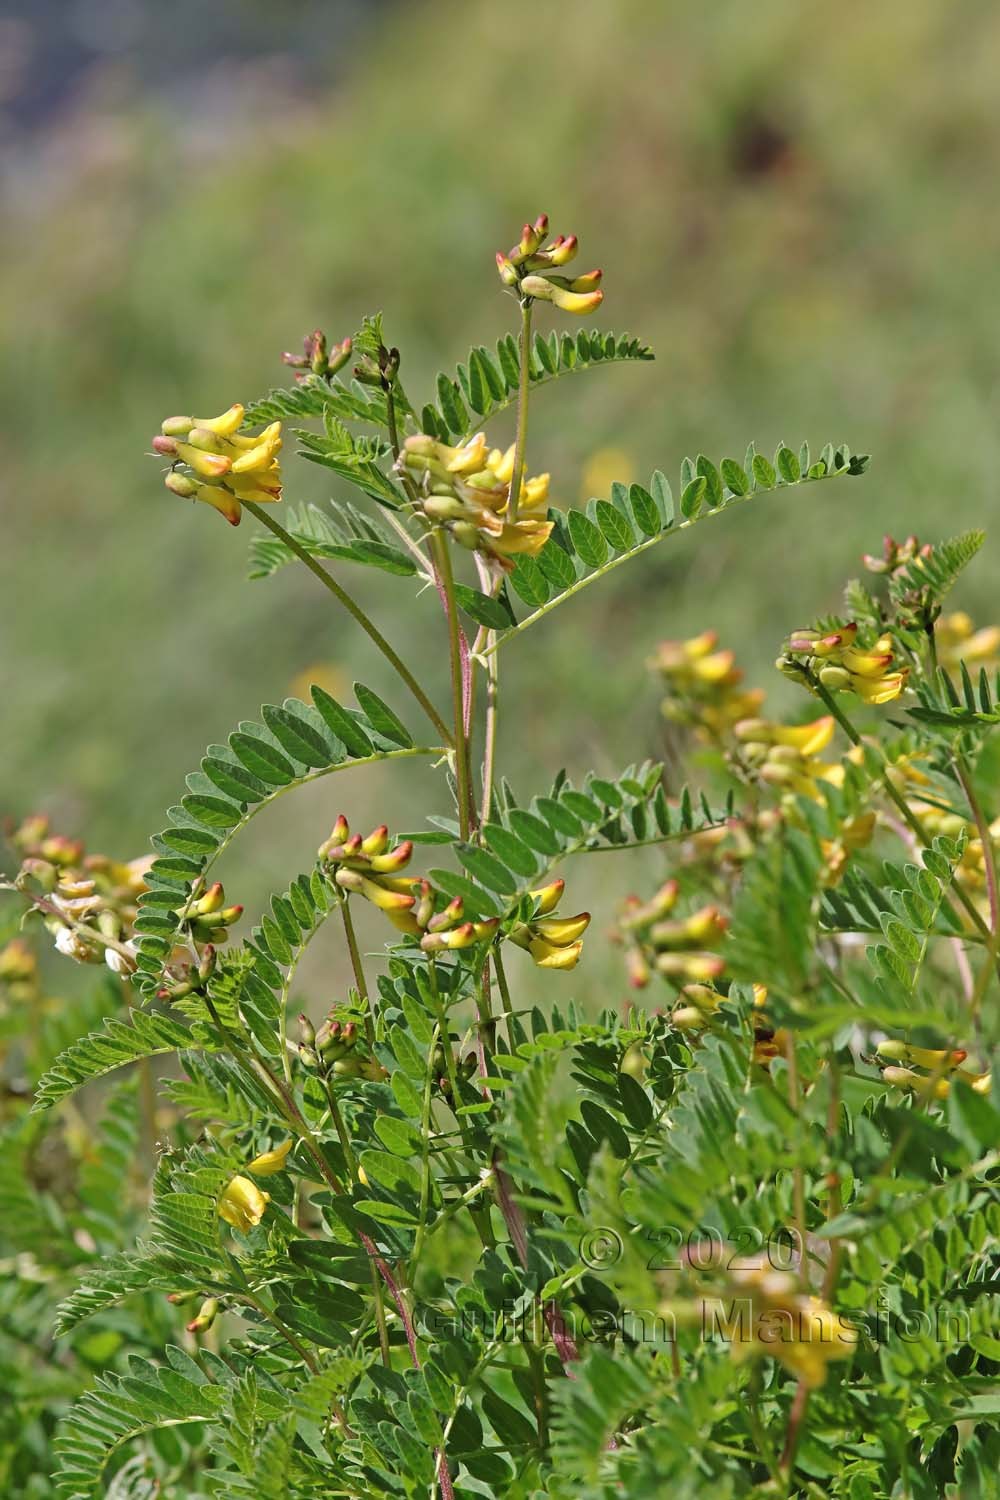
(644, 509)
(587, 539)
(616, 530)
(262, 760)
(491, 384)
(342, 723)
(493, 613)
(381, 717)
(295, 734)
(102, 1052)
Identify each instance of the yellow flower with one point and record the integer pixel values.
(704, 685)
(786, 755)
(958, 640)
(242, 1204)
(800, 1331)
(223, 466)
(272, 1161)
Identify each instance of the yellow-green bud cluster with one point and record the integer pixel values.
(207, 917)
(215, 462)
(787, 756)
(896, 555)
(88, 902)
(900, 1060)
(466, 490)
(679, 949)
(704, 685)
(836, 661)
(367, 867)
(337, 1050)
(318, 358)
(526, 271)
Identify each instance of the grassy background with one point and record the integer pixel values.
(797, 210)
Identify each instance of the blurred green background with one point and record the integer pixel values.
(796, 205)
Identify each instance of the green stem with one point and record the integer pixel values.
(489, 750)
(358, 968)
(521, 432)
(507, 1013)
(272, 1317)
(425, 1140)
(354, 609)
(466, 803)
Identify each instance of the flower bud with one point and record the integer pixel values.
(206, 1317)
(270, 1162)
(505, 267)
(548, 898)
(177, 426)
(37, 875)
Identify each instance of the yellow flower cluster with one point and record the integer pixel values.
(467, 490)
(368, 867)
(958, 640)
(222, 466)
(761, 1311)
(522, 267)
(837, 662)
(790, 1325)
(899, 1060)
(703, 685)
(787, 756)
(553, 942)
(677, 948)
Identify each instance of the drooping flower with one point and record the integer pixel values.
(215, 462)
(242, 1204)
(271, 1162)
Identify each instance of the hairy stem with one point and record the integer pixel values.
(466, 799)
(521, 431)
(354, 609)
(357, 968)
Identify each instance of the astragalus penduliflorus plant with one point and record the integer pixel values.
(739, 1240)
